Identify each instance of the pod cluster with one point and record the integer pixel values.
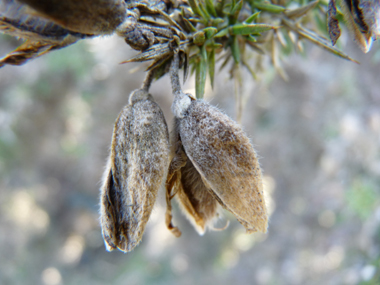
(209, 163)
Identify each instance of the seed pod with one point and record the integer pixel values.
(135, 171)
(363, 20)
(225, 159)
(88, 17)
(194, 198)
(41, 34)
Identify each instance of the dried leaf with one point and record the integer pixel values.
(276, 60)
(332, 22)
(256, 48)
(42, 36)
(156, 52)
(281, 38)
(250, 69)
(31, 49)
(300, 47)
(227, 58)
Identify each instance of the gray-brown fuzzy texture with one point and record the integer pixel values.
(42, 35)
(226, 161)
(186, 184)
(48, 25)
(195, 199)
(137, 168)
(83, 16)
(362, 18)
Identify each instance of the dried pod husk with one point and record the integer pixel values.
(41, 34)
(225, 159)
(92, 17)
(195, 199)
(51, 25)
(186, 184)
(136, 169)
(363, 20)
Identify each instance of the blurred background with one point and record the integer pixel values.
(318, 137)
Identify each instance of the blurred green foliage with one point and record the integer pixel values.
(363, 197)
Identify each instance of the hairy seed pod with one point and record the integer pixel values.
(225, 159)
(185, 182)
(363, 20)
(93, 17)
(135, 171)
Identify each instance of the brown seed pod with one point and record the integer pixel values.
(92, 17)
(225, 159)
(135, 171)
(185, 182)
(222, 154)
(362, 18)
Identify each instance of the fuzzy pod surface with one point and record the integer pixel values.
(136, 169)
(225, 159)
(362, 18)
(92, 17)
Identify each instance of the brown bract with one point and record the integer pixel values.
(186, 184)
(224, 158)
(135, 171)
(332, 22)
